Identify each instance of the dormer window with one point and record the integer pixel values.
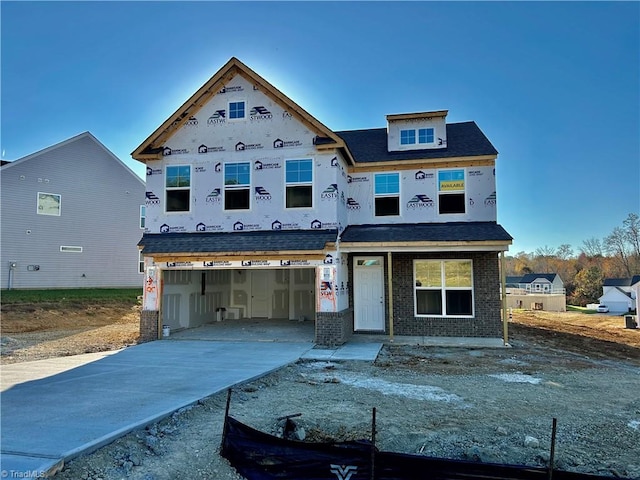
(407, 137)
(425, 135)
(417, 131)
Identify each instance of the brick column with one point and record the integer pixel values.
(334, 328)
(149, 328)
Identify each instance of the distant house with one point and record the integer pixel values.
(536, 291)
(72, 215)
(550, 283)
(620, 294)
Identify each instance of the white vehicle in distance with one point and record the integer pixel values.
(602, 309)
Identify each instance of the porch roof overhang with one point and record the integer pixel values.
(303, 243)
(426, 237)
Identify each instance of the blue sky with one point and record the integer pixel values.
(554, 85)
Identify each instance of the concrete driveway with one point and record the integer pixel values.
(53, 410)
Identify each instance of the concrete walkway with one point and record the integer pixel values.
(54, 410)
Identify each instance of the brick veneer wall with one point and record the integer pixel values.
(486, 277)
(334, 328)
(149, 325)
(486, 295)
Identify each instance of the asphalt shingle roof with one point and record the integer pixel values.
(262, 241)
(463, 139)
(621, 282)
(530, 277)
(426, 232)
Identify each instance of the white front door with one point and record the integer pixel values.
(368, 293)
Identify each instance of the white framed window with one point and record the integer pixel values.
(299, 183)
(407, 137)
(143, 216)
(237, 186)
(49, 204)
(386, 194)
(178, 188)
(443, 288)
(451, 192)
(140, 262)
(70, 249)
(237, 110)
(425, 135)
(421, 136)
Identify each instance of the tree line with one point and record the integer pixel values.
(583, 272)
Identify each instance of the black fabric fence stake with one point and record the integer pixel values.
(553, 447)
(224, 425)
(373, 444)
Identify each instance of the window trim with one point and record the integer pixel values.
(140, 261)
(305, 183)
(386, 194)
(237, 187)
(168, 189)
(443, 289)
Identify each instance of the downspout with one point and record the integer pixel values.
(390, 282)
(505, 319)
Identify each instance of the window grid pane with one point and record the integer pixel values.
(299, 171)
(428, 274)
(178, 176)
(425, 135)
(457, 274)
(236, 110)
(387, 183)
(407, 137)
(237, 174)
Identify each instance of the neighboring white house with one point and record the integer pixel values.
(72, 215)
(550, 283)
(620, 294)
(257, 207)
(537, 291)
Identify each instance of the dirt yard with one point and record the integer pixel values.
(491, 405)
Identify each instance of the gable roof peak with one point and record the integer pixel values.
(151, 148)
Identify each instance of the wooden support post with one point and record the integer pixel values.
(390, 286)
(505, 320)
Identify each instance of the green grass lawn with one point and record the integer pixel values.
(574, 308)
(79, 295)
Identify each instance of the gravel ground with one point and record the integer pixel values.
(491, 405)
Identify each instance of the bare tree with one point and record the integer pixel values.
(631, 227)
(616, 245)
(564, 251)
(543, 257)
(592, 247)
